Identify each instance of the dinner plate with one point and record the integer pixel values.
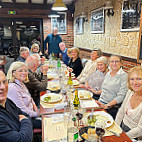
(53, 85)
(103, 116)
(84, 94)
(54, 98)
(51, 75)
(75, 82)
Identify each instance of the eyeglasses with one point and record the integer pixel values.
(4, 82)
(22, 70)
(116, 62)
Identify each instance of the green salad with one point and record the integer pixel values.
(92, 120)
(47, 99)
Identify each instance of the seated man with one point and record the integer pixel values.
(37, 82)
(90, 66)
(64, 53)
(14, 125)
(24, 53)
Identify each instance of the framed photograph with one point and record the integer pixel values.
(97, 21)
(130, 16)
(60, 23)
(79, 23)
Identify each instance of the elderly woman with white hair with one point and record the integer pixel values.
(18, 92)
(95, 80)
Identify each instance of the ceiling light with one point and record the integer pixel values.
(59, 6)
(53, 14)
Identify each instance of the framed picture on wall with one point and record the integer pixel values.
(130, 16)
(79, 29)
(97, 21)
(60, 23)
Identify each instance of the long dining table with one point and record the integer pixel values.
(48, 111)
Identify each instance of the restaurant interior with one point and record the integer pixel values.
(113, 26)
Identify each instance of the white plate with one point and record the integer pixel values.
(75, 82)
(104, 116)
(53, 85)
(51, 75)
(84, 94)
(54, 97)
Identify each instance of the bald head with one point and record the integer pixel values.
(55, 31)
(32, 63)
(3, 87)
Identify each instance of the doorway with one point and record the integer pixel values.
(18, 32)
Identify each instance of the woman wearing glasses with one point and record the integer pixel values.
(18, 92)
(114, 87)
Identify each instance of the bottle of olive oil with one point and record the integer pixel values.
(70, 82)
(76, 101)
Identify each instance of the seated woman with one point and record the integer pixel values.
(95, 80)
(18, 92)
(34, 48)
(114, 87)
(129, 115)
(75, 64)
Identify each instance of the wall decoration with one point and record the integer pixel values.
(60, 23)
(79, 23)
(97, 21)
(130, 16)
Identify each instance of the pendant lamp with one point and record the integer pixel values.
(59, 6)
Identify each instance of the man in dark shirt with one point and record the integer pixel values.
(15, 126)
(24, 53)
(53, 41)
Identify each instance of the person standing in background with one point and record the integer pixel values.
(53, 41)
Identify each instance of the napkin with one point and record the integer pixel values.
(88, 103)
(115, 128)
(60, 106)
(58, 118)
(54, 131)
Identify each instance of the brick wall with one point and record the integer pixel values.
(68, 38)
(127, 63)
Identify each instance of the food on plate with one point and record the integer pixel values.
(92, 119)
(47, 99)
(51, 98)
(85, 136)
(91, 131)
(83, 94)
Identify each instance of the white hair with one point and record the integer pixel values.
(102, 59)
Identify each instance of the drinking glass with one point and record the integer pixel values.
(100, 128)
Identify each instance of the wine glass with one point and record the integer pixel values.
(100, 128)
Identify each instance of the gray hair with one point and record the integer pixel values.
(22, 49)
(99, 51)
(102, 59)
(13, 67)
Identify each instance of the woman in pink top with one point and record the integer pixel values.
(19, 94)
(129, 115)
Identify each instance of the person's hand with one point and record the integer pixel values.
(82, 86)
(100, 104)
(21, 117)
(70, 69)
(44, 69)
(46, 51)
